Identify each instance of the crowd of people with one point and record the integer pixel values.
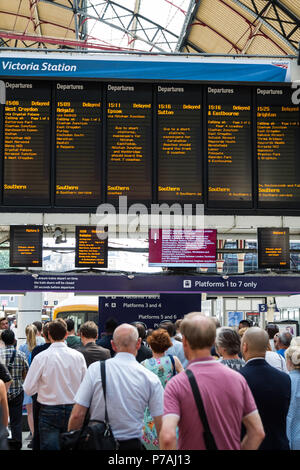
(165, 387)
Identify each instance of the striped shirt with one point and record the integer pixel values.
(17, 371)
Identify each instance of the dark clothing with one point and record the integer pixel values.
(105, 342)
(271, 389)
(4, 373)
(92, 353)
(213, 352)
(73, 342)
(131, 444)
(38, 349)
(143, 353)
(15, 406)
(35, 404)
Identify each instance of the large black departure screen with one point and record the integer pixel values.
(278, 148)
(78, 144)
(273, 248)
(91, 247)
(129, 142)
(26, 246)
(179, 136)
(229, 148)
(26, 152)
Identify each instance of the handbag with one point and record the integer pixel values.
(207, 434)
(94, 435)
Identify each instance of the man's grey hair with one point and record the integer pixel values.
(285, 339)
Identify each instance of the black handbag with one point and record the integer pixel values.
(207, 434)
(95, 435)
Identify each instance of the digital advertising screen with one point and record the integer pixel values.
(182, 247)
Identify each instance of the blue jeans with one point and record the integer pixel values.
(53, 420)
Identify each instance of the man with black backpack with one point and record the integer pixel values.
(17, 366)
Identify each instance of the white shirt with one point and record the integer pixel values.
(276, 360)
(55, 375)
(130, 388)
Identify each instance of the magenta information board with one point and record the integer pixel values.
(182, 247)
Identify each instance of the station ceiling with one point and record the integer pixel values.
(256, 27)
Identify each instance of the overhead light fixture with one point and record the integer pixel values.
(58, 235)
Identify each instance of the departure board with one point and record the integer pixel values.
(273, 248)
(278, 148)
(129, 142)
(78, 144)
(26, 246)
(72, 145)
(229, 149)
(179, 142)
(91, 247)
(26, 153)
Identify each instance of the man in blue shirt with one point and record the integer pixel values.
(283, 342)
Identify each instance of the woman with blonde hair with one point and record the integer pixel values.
(242, 331)
(26, 348)
(292, 356)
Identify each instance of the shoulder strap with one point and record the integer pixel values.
(208, 436)
(173, 363)
(103, 379)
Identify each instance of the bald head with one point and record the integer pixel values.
(126, 339)
(254, 343)
(198, 330)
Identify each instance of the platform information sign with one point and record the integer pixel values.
(90, 247)
(26, 246)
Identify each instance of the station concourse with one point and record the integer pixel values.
(149, 163)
